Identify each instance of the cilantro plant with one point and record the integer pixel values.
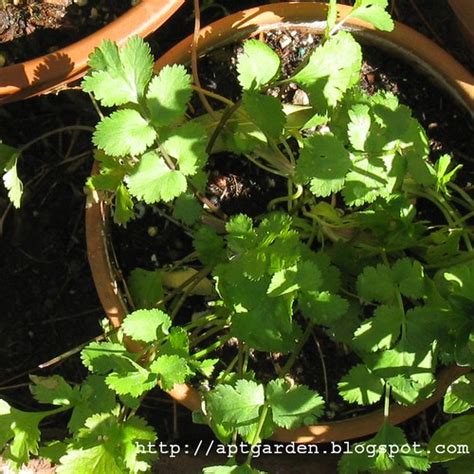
(349, 251)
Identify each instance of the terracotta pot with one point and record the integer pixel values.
(403, 42)
(464, 11)
(54, 71)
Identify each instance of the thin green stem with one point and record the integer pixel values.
(294, 355)
(197, 276)
(463, 258)
(187, 290)
(194, 59)
(213, 347)
(202, 321)
(290, 153)
(228, 369)
(226, 115)
(462, 193)
(450, 214)
(386, 406)
(213, 95)
(217, 327)
(264, 167)
(293, 197)
(256, 436)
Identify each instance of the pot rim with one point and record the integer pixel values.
(464, 11)
(56, 70)
(104, 268)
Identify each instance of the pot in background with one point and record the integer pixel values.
(464, 11)
(54, 71)
(403, 42)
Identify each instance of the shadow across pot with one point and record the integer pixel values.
(54, 71)
(402, 42)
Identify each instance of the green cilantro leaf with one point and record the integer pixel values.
(324, 162)
(242, 235)
(458, 281)
(94, 397)
(8, 162)
(389, 451)
(409, 276)
(381, 331)
(146, 287)
(359, 126)
(171, 369)
(416, 150)
(124, 132)
(409, 390)
(168, 95)
(294, 406)
(374, 12)
(53, 451)
(443, 176)
(257, 65)
(458, 430)
(408, 368)
(239, 405)
(187, 209)
(146, 325)
(123, 209)
(209, 246)
(133, 380)
(102, 357)
(322, 307)
(119, 76)
(188, 145)
(332, 69)
(206, 367)
(361, 386)
(304, 275)
(19, 433)
(152, 180)
(366, 182)
(11, 180)
(376, 284)
(54, 390)
(177, 343)
(266, 112)
(106, 445)
(111, 172)
(264, 322)
(460, 395)
(84, 461)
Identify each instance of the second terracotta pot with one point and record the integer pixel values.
(55, 70)
(402, 42)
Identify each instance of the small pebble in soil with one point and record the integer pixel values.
(81, 3)
(3, 60)
(152, 231)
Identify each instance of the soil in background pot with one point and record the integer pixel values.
(31, 28)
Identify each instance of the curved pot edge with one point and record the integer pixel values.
(464, 11)
(403, 40)
(115, 307)
(57, 69)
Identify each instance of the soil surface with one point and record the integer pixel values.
(48, 301)
(34, 28)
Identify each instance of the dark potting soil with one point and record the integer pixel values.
(48, 300)
(34, 28)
